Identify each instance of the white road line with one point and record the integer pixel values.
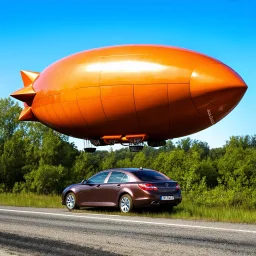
(87, 216)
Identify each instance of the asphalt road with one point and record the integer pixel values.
(33, 231)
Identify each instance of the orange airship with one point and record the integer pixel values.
(131, 93)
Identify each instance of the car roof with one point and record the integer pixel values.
(129, 169)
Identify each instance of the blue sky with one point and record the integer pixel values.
(34, 34)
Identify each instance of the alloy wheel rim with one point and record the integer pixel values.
(125, 204)
(70, 201)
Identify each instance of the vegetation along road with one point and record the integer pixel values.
(35, 159)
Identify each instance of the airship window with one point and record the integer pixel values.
(118, 177)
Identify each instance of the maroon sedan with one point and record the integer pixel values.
(126, 188)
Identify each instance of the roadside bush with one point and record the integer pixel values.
(46, 179)
(221, 197)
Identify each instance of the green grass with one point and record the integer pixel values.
(30, 200)
(186, 210)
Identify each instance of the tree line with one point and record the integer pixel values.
(34, 158)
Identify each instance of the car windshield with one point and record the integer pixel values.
(150, 176)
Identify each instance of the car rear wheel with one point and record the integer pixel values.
(125, 203)
(71, 201)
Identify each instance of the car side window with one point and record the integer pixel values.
(118, 177)
(98, 178)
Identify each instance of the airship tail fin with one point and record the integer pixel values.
(27, 115)
(28, 77)
(26, 94)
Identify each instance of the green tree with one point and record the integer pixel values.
(85, 165)
(46, 179)
(9, 113)
(13, 160)
(139, 160)
(184, 144)
(201, 147)
(109, 161)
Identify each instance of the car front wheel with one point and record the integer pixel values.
(125, 203)
(71, 201)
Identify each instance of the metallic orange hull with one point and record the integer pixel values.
(154, 92)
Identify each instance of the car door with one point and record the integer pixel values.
(90, 192)
(110, 189)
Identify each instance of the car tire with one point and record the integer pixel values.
(70, 201)
(125, 203)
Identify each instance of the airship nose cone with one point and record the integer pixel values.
(215, 90)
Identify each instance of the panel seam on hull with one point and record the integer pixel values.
(56, 114)
(99, 85)
(191, 95)
(55, 111)
(136, 84)
(49, 116)
(66, 114)
(80, 109)
(102, 105)
(169, 108)
(61, 107)
(135, 106)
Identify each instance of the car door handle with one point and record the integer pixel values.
(118, 185)
(97, 186)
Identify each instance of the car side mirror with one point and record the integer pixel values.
(84, 181)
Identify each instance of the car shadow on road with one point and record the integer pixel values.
(26, 245)
(116, 211)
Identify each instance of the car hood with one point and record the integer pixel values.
(70, 187)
